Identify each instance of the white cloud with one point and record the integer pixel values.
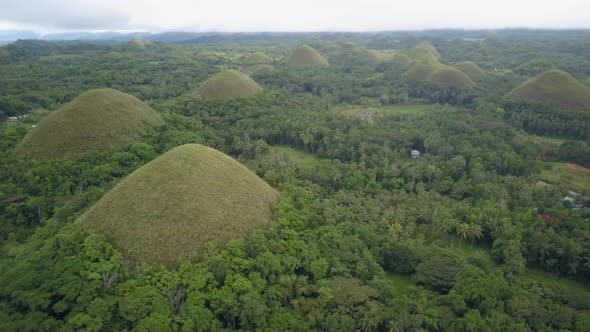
(301, 15)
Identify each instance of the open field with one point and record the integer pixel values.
(298, 157)
(562, 174)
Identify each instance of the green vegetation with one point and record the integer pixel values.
(169, 233)
(172, 206)
(97, 120)
(556, 89)
(470, 69)
(305, 57)
(227, 84)
(565, 175)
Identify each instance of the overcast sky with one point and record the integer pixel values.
(296, 15)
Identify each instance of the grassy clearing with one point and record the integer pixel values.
(301, 159)
(402, 283)
(561, 174)
(544, 140)
(542, 277)
(98, 120)
(173, 205)
(414, 109)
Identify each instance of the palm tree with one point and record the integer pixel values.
(462, 230)
(475, 232)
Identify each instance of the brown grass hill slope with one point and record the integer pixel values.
(3, 53)
(227, 84)
(556, 89)
(172, 206)
(305, 57)
(402, 60)
(470, 69)
(259, 70)
(430, 47)
(257, 58)
(421, 71)
(448, 77)
(423, 55)
(97, 120)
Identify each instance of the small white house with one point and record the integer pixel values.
(415, 154)
(12, 118)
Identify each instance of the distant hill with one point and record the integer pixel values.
(470, 69)
(257, 58)
(402, 59)
(99, 120)
(421, 71)
(556, 89)
(447, 77)
(423, 54)
(424, 65)
(173, 205)
(259, 69)
(227, 84)
(305, 57)
(357, 54)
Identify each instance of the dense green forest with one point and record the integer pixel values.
(475, 235)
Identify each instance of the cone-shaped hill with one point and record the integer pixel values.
(355, 53)
(257, 58)
(450, 77)
(470, 69)
(402, 60)
(423, 54)
(97, 120)
(305, 57)
(227, 84)
(556, 89)
(172, 206)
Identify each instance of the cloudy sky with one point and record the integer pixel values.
(300, 15)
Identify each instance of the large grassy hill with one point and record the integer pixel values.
(305, 57)
(173, 205)
(99, 120)
(227, 84)
(556, 89)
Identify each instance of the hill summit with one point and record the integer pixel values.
(227, 84)
(97, 120)
(173, 205)
(556, 89)
(305, 57)
(470, 69)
